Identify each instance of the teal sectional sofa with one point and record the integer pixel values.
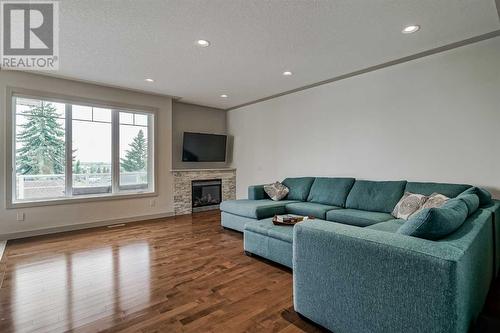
(352, 269)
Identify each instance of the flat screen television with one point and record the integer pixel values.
(201, 147)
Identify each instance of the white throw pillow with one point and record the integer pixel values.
(435, 200)
(276, 191)
(408, 204)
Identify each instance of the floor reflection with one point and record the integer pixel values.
(134, 268)
(36, 284)
(79, 288)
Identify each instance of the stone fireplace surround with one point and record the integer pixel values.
(182, 185)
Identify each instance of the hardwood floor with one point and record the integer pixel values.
(183, 274)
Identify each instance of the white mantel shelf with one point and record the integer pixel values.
(194, 170)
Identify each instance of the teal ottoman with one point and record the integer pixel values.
(273, 242)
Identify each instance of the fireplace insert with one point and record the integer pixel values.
(206, 194)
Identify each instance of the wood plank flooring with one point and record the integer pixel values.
(182, 274)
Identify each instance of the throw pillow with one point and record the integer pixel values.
(436, 223)
(276, 191)
(408, 204)
(435, 200)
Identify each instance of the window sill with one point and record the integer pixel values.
(80, 199)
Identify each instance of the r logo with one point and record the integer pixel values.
(29, 35)
(28, 29)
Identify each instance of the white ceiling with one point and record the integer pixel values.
(122, 42)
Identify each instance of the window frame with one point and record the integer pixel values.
(116, 107)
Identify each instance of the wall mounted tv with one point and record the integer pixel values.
(201, 147)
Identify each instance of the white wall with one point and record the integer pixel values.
(432, 119)
(74, 214)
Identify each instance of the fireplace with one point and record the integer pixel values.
(206, 194)
(183, 191)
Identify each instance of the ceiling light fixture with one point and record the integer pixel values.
(203, 43)
(409, 29)
(149, 80)
(224, 96)
(287, 73)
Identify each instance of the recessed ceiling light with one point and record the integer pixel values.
(202, 42)
(149, 80)
(224, 96)
(409, 29)
(287, 73)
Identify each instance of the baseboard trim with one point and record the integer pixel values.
(103, 223)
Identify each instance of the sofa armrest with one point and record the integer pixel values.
(348, 278)
(494, 208)
(256, 192)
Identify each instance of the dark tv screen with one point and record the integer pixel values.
(199, 147)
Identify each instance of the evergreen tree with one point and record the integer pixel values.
(78, 167)
(136, 157)
(42, 139)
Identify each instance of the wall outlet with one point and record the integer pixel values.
(152, 203)
(20, 216)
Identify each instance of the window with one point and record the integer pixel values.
(40, 149)
(65, 150)
(133, 151)
(91, 131)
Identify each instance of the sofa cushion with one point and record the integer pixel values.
(357, 217)
(483, 195)
(436, 223)
(256, 192)
(388, 226)
(298, 187)
(376, 196)
(426, 188)
(309, 209)
(257, 209)
(267, 228)
(471, 201)
(330, 191)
